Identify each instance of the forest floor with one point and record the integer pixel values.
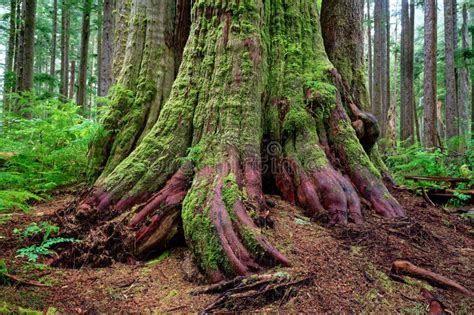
(350, 266)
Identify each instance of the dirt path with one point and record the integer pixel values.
(350, 265)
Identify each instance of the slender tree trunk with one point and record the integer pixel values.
(72, 79)
(52, 67)
(65, 19)
(106, 48)
(380, 48)
(430, 134)
(452, 129)
(370, 62)
(406, 86)
(411, 57)
(201, 161)
(386, 67)
(84, 55)
(392, 112)
(471, 13)
(463, 86)
(9, 80)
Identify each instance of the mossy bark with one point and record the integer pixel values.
(253, 72)
(145, 65)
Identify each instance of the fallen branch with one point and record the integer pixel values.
(26, 282)
(405, 267)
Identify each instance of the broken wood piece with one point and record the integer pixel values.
(436, 307)
(405, 267)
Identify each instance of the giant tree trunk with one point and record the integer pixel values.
(255, 97)
(149, 63)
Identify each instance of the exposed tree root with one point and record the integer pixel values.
(405, 267)
(250, 292)
(217, 225)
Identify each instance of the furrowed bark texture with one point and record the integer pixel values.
(252, 72)
(150, 59)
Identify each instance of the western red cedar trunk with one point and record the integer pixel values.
(106, 48)
(65, 20)
(430, 74)
(463, 85)
(452, 129)
(369, 53)
(54, 31)
(247, 82)
(121, 19)
(406, 78)
(84, 56)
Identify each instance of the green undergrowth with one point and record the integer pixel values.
(43, 153)
(414, 160)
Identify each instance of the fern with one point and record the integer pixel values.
(33, 252)
(13, 199)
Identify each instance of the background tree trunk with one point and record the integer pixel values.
(84, 55)
(429, 85)
(52, 67)
(463, 86)
(386, 68)
(106, 48)
(380, 52)
(452, 129)
(65, 19)
(72, 80)
(29, 45)
(406, 86)
(9, 76)
(471, 13)
(370, 61)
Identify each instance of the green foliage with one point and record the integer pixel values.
(414, 160)
(33, 252)
(3, 271)
(44, 227)
(43, 153)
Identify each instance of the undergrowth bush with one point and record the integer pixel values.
(43, 153)
(414, 160)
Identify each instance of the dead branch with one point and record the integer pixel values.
(405, 267)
